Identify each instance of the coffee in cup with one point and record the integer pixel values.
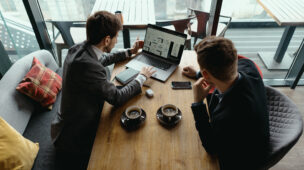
(133, 112)
(169, 111)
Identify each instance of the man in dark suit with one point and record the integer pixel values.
(86, 86)
(236, 128)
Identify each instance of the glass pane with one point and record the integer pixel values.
(244, 10)
(254, 36)
(16, 31)
(177, 9)
(66, 10)
(237, 9)
(251, 41)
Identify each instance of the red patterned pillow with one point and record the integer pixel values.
(41, 84)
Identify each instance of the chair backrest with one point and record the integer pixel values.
(202, 19)
(180, 25)
(222, 34)
(285, 125)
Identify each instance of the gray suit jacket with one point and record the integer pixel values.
(85, 87)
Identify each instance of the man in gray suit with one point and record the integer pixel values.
(85, 87)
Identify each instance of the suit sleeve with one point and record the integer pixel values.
(110, 58)
(90, 77)
(204, 127)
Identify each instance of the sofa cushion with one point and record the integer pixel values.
(16, 108)
(16, 152)
(41, 84)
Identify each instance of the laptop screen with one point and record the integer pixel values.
(164, 43)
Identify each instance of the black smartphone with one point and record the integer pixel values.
(181, 85)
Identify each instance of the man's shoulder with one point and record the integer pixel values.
(79, 59)
(244, 63)
(80, 55)
(248, 94)
(77, 48)
(249, 82)
(248, 68)
(247, 88)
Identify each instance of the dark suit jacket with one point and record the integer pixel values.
(85, 87)
(238, 131)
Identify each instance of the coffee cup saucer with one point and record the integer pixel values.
(128, 124)
(175, 119)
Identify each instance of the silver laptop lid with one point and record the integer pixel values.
(164, 43)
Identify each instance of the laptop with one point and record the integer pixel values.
(163, 49)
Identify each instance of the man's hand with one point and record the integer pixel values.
(147, 71)
(200, 90)
(137, 45)
(189, 71)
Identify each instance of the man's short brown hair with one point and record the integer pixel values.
(101, 24)
(218, 56)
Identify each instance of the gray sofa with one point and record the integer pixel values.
(27, 116)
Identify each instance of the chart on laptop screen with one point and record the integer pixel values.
(163, 44)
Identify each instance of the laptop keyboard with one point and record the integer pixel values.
(156, 63)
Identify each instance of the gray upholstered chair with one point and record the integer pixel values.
(285, 125)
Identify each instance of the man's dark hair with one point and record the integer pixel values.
(101, 24)
(218, 56)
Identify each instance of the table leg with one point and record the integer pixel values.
(59, 47)
(289, 30)
(126, 37)
(297, 68)
(280, 61)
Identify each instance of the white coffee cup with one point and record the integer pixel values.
(169, 111)
(133, 112)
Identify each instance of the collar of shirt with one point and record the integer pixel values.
(221, 95)
(98, 52)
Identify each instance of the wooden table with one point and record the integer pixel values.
(287, 13)
(152, 146)
(136, 14)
